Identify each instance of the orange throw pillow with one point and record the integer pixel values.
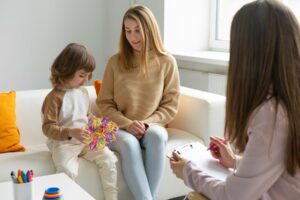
(9, 133)
(97, 85)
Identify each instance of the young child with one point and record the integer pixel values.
(65, 113)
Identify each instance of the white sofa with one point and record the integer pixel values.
(200, 115)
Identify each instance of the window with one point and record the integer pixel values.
(222, 12)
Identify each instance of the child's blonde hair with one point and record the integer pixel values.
(72, 58)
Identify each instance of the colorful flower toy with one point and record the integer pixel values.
(102, 132)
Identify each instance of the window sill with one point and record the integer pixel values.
(206, 61)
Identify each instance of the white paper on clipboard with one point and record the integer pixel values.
(199, 154)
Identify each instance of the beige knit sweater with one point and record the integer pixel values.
(130, 95)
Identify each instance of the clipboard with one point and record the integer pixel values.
(198, 154)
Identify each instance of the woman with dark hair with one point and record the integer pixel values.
(262, 110)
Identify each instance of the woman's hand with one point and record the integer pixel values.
(80, 134)
(137, 128)
(223, 152)
(177, 163)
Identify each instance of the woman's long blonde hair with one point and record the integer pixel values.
(150, 38)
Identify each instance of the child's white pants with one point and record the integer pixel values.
(65, 157)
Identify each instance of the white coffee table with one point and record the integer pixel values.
(70, 190)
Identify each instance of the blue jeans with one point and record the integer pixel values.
(142, 160)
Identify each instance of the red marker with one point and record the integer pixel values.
(214, 147)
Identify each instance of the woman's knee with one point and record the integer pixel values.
(130, 144)
(126, 145)
(157, 134)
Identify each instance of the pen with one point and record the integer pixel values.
(214, 147)
(170, 157)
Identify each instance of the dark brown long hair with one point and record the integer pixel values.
(264, 60)
(72, 58)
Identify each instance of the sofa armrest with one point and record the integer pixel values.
(28, 115)
(200, 113)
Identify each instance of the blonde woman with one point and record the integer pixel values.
(140, 93)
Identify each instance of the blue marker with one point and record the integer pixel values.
(24, 177)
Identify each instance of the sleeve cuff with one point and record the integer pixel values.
(65, 134)
(185, 171)
(237, 160)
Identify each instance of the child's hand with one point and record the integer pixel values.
(221, 151)
(91, 115)
(80, 134)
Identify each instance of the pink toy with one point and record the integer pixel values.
(102, 132)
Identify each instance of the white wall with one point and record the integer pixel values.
(33, 32)
(157, 7)
(211, 82)
(116, 10)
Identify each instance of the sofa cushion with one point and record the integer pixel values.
(176, 138)
(37, 158)
(179, 137)
(9, 133)
(29, 120)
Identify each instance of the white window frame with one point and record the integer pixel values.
(214, 43)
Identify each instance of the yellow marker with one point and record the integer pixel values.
(20, 180)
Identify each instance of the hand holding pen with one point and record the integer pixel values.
(222, 152)
(213, 147)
